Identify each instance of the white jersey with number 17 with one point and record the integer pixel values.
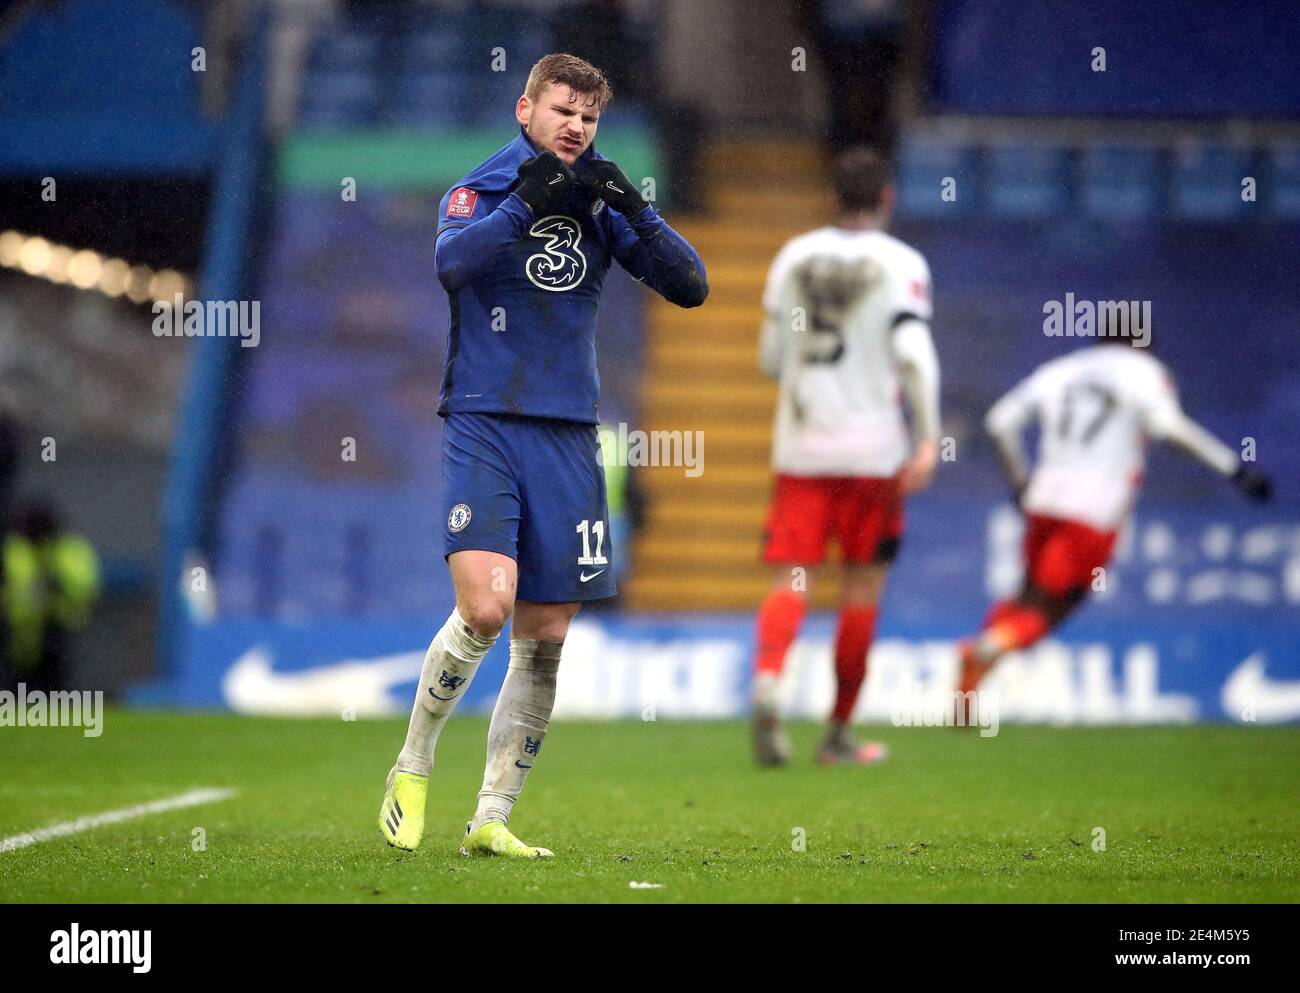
(832, 301)
(1096, 407)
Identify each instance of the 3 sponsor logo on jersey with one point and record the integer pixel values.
(560, 265)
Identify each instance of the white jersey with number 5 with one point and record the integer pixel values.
(1096, 408)
(833, 298)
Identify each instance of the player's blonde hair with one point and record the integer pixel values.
(577, 74)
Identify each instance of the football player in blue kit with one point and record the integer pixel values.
(523, 245)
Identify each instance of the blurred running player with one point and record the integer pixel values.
(847, 323)
(1096, 408)
(523, 245)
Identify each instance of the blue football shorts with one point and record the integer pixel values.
(531, 488)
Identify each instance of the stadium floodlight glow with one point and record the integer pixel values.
(83, 269)
(113, 277)
(11, 243)
(137, 286)
(34, 256)
(168, 283)
(57, 269)
(86, 269)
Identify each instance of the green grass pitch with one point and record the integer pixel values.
(1189, 814)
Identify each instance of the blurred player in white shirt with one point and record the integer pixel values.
(846, 332)
(1096, 409)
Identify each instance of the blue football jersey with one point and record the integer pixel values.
(522, 337)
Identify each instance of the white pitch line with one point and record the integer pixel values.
(191, 799)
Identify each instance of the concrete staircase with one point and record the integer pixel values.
(702, 547)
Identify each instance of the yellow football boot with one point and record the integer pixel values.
(401, 818)
(494, 838)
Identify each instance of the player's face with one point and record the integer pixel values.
(559, 121)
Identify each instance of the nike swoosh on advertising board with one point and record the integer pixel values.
(1248, 690)
(252, 686)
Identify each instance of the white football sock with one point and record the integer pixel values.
(519, 722)
(449, 665)
(765, 693)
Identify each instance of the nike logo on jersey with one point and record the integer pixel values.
(610, 184)
(584, 577)
(559, 178)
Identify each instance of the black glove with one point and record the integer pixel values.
(605, 180)
(541, 179)
(1254, 484)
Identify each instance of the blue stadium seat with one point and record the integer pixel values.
(1122, 183)
(490, 98)
(923, 169)
(431, 116)
(1283, 178)
(347, 50)
(434, 99)
(341, 87)
(339, 99)
(627, 116)
(267, 567)
(431, 50)
(100, 59)
(524, 38)
(330, 117)
(1027, 182)
(1207, 183)
(523, 52)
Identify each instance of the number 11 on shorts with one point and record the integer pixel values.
(587, 529)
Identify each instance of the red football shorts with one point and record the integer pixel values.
(864, 515)
(1060, 555)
